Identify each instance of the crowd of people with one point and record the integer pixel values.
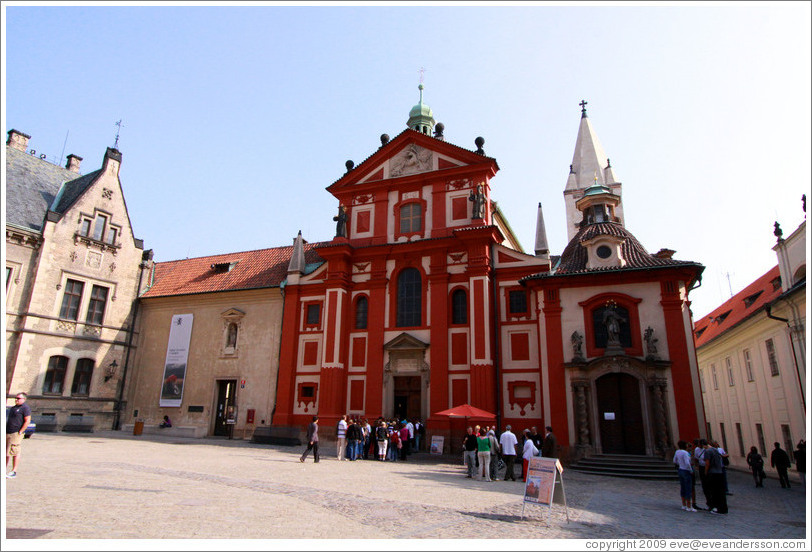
(705, 461)
(384, 440)
(483, 452)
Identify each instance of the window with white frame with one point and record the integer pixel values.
(729, 365)
(773, 358)
(748, 364)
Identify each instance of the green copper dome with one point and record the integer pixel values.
(421, 118)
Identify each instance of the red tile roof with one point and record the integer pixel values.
(741, 306)
(263, 268)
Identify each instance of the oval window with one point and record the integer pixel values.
(604, 252)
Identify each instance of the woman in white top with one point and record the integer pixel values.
(528, 452)
(683, 461)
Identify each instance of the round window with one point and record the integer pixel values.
(604, 252)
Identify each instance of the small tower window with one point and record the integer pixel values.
(603, 251)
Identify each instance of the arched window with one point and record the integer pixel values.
(361, 309)
(410, 292)
(459, 307)
(82, 376)
(55, 375)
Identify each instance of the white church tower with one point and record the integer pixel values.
(590, 167)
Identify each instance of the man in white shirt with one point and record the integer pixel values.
(341, 438)
(508, 442)
(410, 427)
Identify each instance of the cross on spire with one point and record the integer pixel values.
(118, 124)
(583, 108)
(421, 72)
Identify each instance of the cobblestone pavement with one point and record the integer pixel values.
(118, 486)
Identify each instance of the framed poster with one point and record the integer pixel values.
(541, 476)
(437, 442)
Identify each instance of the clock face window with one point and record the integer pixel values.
(604, 252)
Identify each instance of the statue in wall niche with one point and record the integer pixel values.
(612, 320)
(577, 342)
(478, 198)
(231, 341)
(341, 222)
(651, 342)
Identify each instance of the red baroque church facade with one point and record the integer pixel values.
(424, 300)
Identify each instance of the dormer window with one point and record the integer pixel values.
(603, 251)
(99, 229)
(223, 267)
(750, 299)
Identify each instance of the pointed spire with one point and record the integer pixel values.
(589, 157)
(297, 258)
(542, 249)
(590, 169)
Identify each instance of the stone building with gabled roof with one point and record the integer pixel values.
(233, 305)
(73, 270)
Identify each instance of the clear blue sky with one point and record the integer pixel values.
(235, 119)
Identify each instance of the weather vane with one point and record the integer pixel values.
(118, 124)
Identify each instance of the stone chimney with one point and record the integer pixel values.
(17, 140)
(73, 163)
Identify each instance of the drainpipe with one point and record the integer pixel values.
(768, 307)
(282, 286)
(147, 255)
(495, 307)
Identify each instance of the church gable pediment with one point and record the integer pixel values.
(405, 342)
(408, 154)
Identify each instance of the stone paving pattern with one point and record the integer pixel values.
(118, 486)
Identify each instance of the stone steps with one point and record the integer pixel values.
(627, 465)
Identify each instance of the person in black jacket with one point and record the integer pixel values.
(779, 459)
(470, 446)
(756, 463)
(312, 440)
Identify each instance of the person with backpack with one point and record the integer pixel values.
(756, 463)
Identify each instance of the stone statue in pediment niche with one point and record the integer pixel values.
(411, 160)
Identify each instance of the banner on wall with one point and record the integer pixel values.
(177, 354)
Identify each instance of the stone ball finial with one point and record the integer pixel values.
(384, 139)
(438, 129)
(349, 164)
(480, 141)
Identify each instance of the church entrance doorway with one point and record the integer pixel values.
(620, 414)
(407, 397)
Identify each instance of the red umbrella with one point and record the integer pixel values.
(467, 411)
